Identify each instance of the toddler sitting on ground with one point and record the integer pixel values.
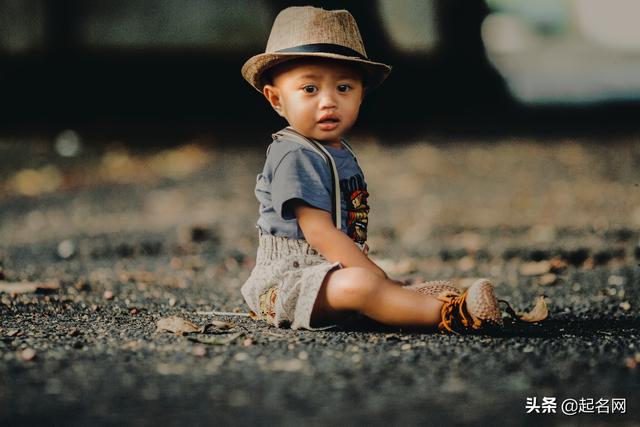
(312, 266)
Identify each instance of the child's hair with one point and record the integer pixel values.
(269, 74)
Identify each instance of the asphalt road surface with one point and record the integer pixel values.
(114, 238)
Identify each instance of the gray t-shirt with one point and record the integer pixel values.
(293, 171)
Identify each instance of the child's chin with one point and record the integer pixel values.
(328, 138)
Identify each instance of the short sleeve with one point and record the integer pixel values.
(301, 174)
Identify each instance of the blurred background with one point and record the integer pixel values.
(145, 91)
(505, 144)
(459, 66)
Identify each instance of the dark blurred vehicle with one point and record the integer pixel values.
(456, 63)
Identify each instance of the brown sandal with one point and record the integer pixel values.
(434, 287)
(475, 309)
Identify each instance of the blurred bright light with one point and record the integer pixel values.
(66, 249)
(505, 34)
(68, 143)
(410, 24)
(612, 23)
(565, 51)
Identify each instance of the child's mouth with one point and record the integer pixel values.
(328, 123)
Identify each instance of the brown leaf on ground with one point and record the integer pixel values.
(218, 326)
(178, 326)
(547, 279)
(537, 314)
(535, 268)
(28, 287)
(557, 264)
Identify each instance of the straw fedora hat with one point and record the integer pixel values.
(306, 31)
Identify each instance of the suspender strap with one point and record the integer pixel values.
(348, 147)
(335, 181)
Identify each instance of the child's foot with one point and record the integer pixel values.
(475, 309)
(434, 287)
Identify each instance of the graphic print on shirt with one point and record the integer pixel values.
(354, 193)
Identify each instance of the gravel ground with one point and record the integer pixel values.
(131, 236)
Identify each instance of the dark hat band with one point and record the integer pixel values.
(323, 48)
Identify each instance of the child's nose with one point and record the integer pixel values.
(327, 100)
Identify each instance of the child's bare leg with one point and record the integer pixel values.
(359, 289)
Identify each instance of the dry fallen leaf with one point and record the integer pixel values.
(557, 265)
(537, 314)
(28, 287)
(178, 325)
(535, 268)
(547, 279)
(218, 326)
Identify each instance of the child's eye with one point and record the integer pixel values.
(344, 88)
(310, 89)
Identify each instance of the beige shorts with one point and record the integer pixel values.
(284, 284)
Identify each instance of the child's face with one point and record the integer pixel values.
(319, 98)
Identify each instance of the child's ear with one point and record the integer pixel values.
(273, 96)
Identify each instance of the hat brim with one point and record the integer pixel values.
(254, 68)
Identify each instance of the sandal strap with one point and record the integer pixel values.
(454, 314)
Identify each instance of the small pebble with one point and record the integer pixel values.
(27, 354)
(616, 280)
(241, 357)
(199, 351)
(108, 295)
(66, 249)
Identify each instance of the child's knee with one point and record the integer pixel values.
(351, 287)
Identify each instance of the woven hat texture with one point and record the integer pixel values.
(305, 31)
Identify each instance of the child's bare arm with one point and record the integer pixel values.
(319, 230)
